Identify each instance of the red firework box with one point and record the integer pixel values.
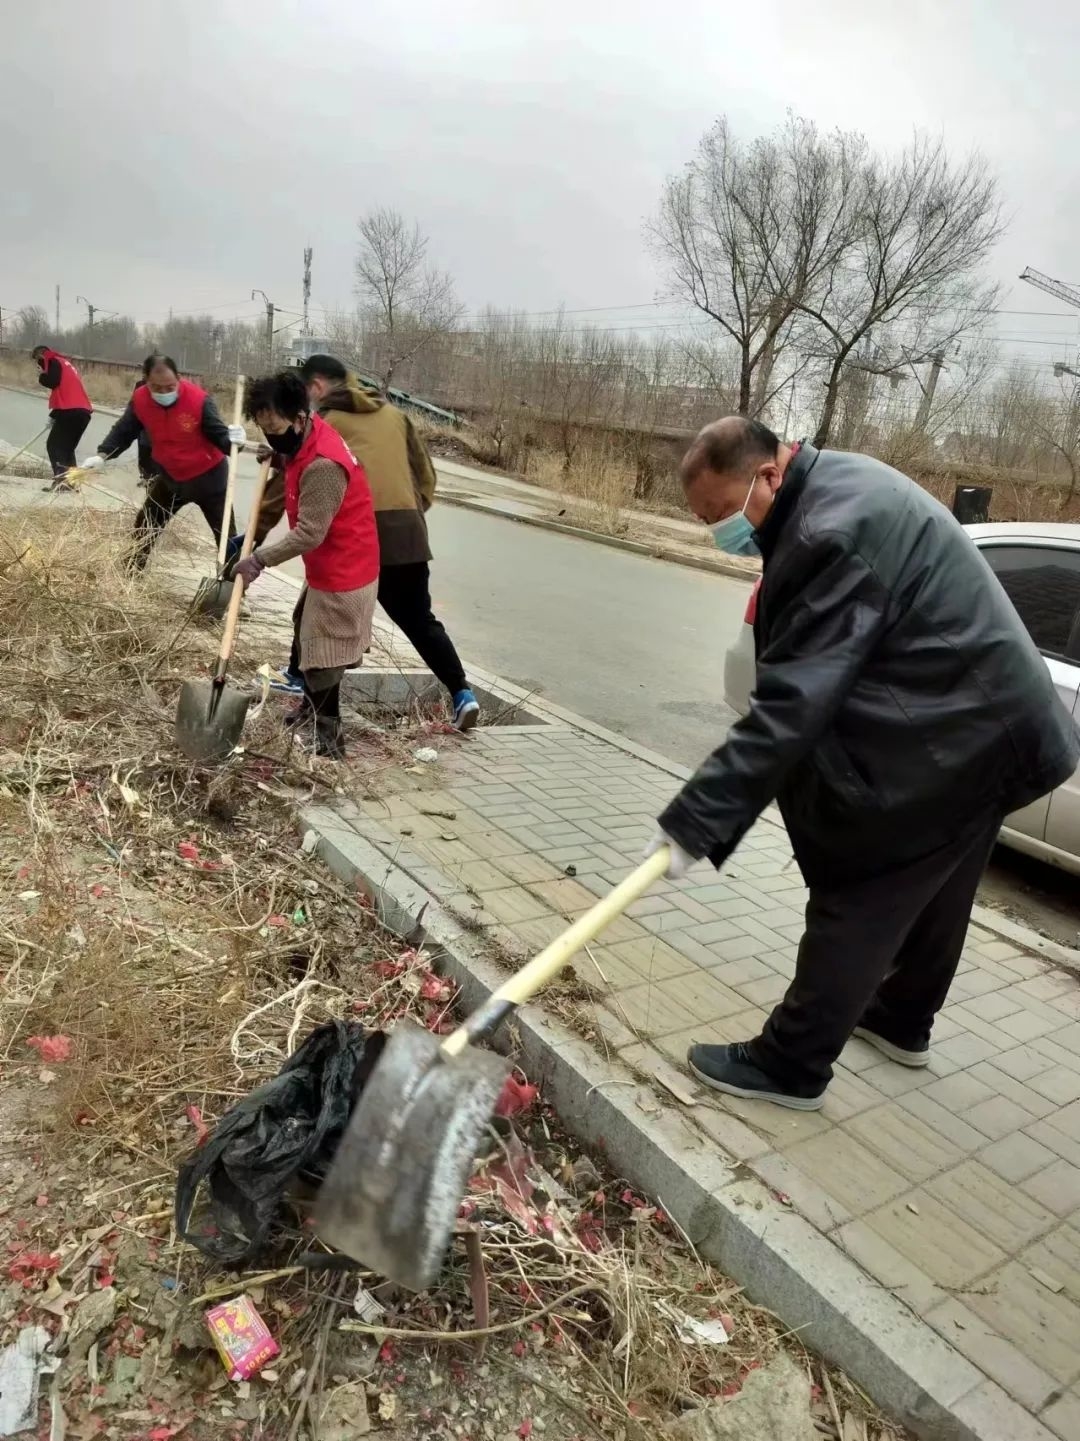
(240, 1335)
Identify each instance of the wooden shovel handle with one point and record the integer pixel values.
(524, 984)
(232, 615)
(230, 485)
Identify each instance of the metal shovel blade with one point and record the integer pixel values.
(212, 597)
(209, 719)
(391, 1196)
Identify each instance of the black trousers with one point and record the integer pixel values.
(405, 596)
(880, 953)
(165, 496)
(64, 435)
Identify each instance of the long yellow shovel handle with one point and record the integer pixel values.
(524, 984)
(230, 484)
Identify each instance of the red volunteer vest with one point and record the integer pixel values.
(70, 394)
(176, 439)
(348, 557)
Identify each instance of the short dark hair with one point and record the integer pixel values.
(284, 393)
(728, 446)
(158, 359)
(37, 351)
(326, 367)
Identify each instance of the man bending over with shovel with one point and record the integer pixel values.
(332, 525)
(900, 712)
(189, 447)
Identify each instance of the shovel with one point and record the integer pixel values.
(210, 714)
(391, 1195)
(212, 596)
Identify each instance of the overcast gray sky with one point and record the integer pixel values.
(183, 151)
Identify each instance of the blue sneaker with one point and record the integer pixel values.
(466, 711)
(289, 682)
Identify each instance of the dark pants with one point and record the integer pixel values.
(64, 435)
(405, 596)
(165, 496)
(880, 953)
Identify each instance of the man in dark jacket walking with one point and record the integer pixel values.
(900, 712)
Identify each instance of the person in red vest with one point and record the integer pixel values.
(69, 409)
(189, 446)
(332, 526)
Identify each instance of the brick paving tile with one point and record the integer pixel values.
(1057, 1186)
(910, 1143)
(847, 1170)
(1017, 1157)
(1024, 1380)
(1042, 1325)
(935, 1239)
(1000, 1211)
(899, 1275)
(1063, 1415)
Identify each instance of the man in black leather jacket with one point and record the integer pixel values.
(900, 712)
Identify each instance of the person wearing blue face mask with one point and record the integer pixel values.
(189, 447)
(900, 711)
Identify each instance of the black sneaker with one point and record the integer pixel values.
(730, 1069)
(909, 1055)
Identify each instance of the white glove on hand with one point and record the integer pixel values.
(679, 862)
(237, 435)
(92, 462)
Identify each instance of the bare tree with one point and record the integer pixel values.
(31, 327)
(747, 233)
(410, 301)
(1057, 423)
(925, 228)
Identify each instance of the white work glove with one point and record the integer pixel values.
(237, 435)
(679, 861)
(92, 462)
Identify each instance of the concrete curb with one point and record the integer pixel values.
(599, 537)
(733, 1220)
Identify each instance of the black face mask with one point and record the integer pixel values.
(287, 443)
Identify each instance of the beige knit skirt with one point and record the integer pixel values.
(335, 626)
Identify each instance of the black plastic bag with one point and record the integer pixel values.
(287, 1127)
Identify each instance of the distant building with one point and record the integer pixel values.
(302, 347)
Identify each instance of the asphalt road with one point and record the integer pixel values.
(633, 644)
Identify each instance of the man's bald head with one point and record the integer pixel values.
(721, 469)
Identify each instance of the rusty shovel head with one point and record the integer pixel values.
(209, 719)
(212, 597)
(392, 1193)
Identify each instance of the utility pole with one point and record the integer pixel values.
(922, 419)
(2, 322)
(82, 300)
(305, 329)
(269, 324)
(58, 312)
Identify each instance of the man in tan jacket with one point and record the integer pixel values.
(402, 481)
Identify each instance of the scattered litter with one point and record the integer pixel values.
(387, 1407)
(913, 1208)
(241, 1336)
(1051, 1283)
(692, 1331)
(51, 1048)
(366, 1306)
(93, 1314)
(425, 755)
(677, 1084)
(22, 1365)
(310, 841)
(345, 1414)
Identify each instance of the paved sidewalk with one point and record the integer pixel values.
(956, 1188)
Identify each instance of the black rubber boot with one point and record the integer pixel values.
(329, 739)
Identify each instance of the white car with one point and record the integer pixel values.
(1039, 566)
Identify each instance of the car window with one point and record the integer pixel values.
(1043, 583)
